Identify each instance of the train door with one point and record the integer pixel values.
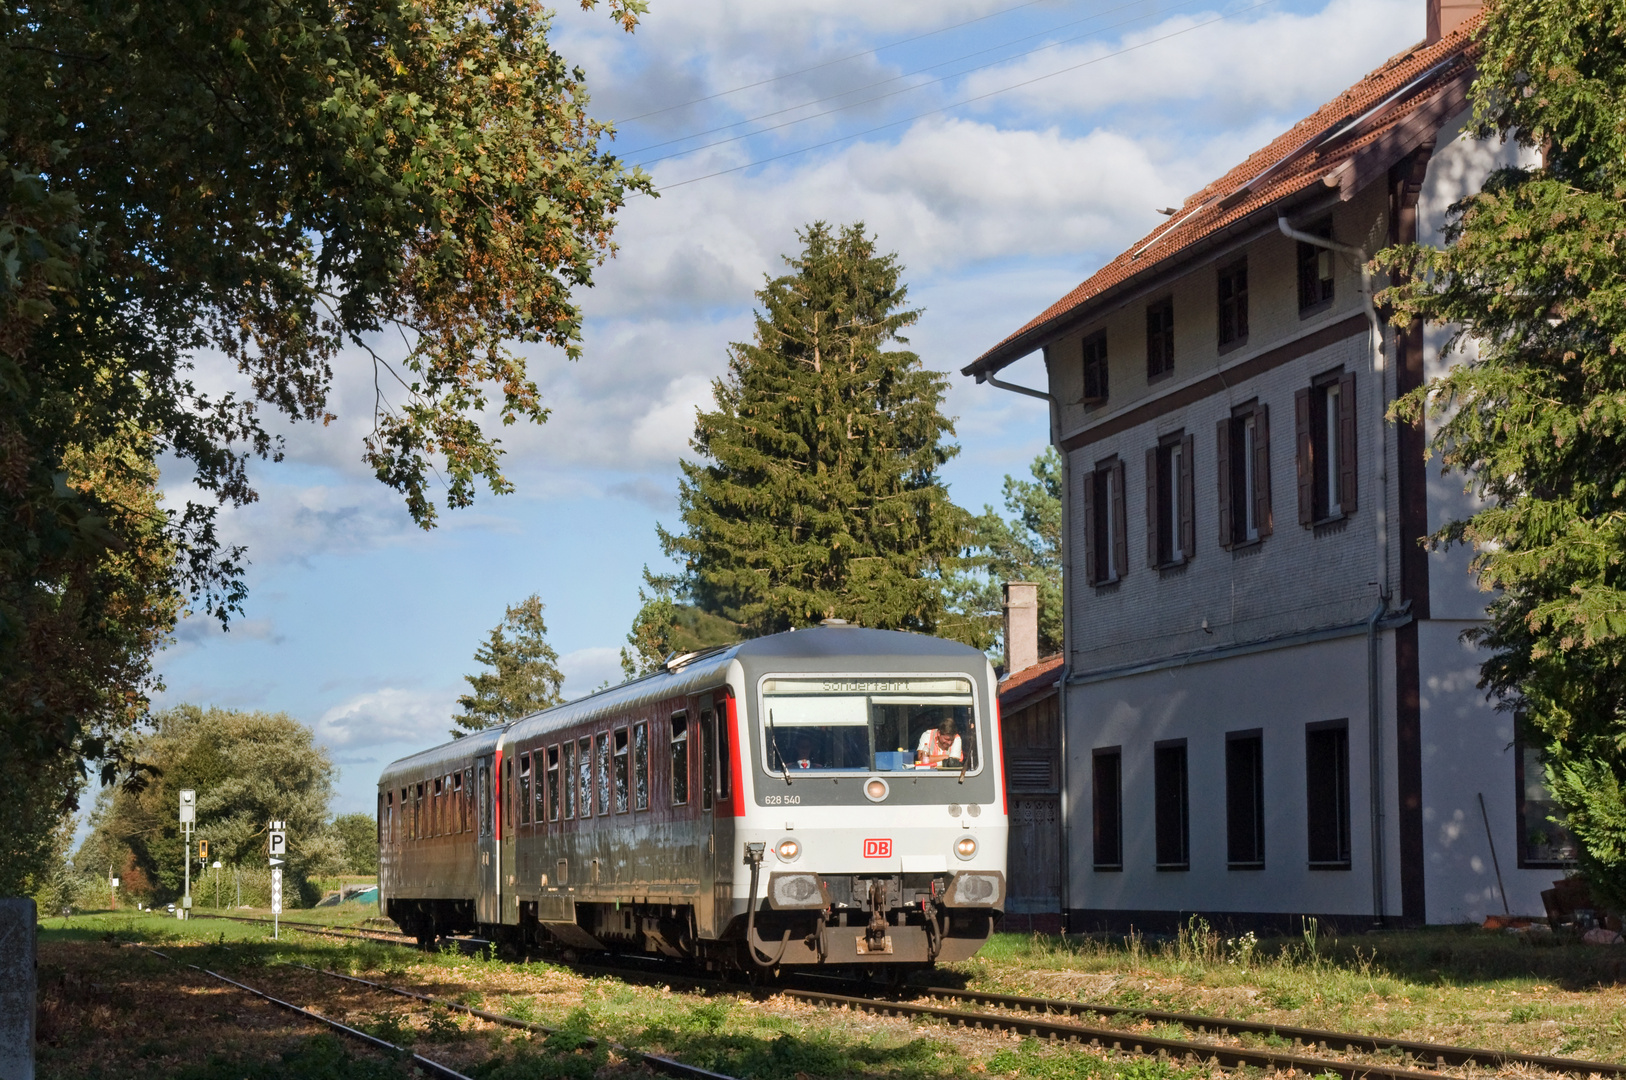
(708, 816)
(507, 839)
(486, 909)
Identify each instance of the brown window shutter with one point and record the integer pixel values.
(1153, 507)
(1090, 560)
(1188, 498)
(1306, 457)
(1120, 532)
(1347, 500)
(1261, 470)
(1222, 470)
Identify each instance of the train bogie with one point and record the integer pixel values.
(824, 797)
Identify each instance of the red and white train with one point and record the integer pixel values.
(830, 796)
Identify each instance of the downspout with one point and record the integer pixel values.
(1066, 626)
(1374, 708)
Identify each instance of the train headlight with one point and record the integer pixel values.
(795, 891)
(788, 850)
(965, 847)
(876, 789)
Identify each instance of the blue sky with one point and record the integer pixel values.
(1004, 160)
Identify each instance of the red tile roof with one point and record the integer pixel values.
(1342, 145)
(1021, 686)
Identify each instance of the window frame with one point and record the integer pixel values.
(1316, 789)
(1231, 295)
(1242, 470)
(675, 740)
(1316, 292)
(1160, 339)
(584, 777)
(1111, 823)
(1522, 808)
(524, 787)
(640, 766)
(1096, 374)
(567, 778)
(555, 798)
(1171, 533)
(621, 769)
(1106, 533)
(1171, 817)
(601, 769)
(1234, 798)
(1328, 449)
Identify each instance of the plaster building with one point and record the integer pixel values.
(1266, 705)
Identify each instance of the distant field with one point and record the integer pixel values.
(111, 1011)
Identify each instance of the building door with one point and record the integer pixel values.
(488, 896)
(1035, 855)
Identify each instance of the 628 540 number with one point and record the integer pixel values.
(781, 800)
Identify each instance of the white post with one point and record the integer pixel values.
(189, 816)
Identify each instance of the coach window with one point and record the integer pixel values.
(622, 800)
(603, 772)
(525, 790)
(1326, 778)
(640, 765)
(584, 775)
(680, 759)
(464, 783)
(507, 799)
(567, 777)
(1245, 800)
(553, 783)
(484, 796)
(1108, 805)
(418, 823)
(725, 767)
(389, 817)
(708, 757)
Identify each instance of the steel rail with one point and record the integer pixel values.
(1438, 1054)
(434, 1068)
(1124, 1041)
(657, 1062)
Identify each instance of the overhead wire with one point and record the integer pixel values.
(918, 71)
(963, 101)
(832, 63)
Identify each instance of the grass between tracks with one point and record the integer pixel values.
(109, 1011)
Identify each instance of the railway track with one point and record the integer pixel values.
(1311, 1049)
(433, 1068)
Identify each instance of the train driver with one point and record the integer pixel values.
(940, 746)
(806, 753)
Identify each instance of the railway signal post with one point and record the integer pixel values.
(277, 846)
(189, 817)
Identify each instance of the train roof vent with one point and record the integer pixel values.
(834, 622)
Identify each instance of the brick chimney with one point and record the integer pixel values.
(1021, 625)
(1445, 16)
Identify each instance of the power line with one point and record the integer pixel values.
(832, 63)
(964, 101)
(905, 75)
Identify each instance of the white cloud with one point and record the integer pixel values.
(585, 670)
(388, 715)
(201, 629)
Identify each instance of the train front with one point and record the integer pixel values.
(875, 824)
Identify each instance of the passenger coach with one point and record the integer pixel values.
(825, 796)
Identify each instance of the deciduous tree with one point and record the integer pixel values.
(1533, 278)
(817, 492)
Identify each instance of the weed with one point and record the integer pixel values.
(520, 1008)
(391, 1025)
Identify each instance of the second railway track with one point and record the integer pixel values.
(1046, 1018)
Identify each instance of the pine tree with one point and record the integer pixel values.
(1024, 547)
(818, 494)
(1533, 275)
(523, 676)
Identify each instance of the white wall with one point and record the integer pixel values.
(1279, 691)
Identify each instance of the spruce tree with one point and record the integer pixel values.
(1533, 278)
(523, 678)
(818, 493)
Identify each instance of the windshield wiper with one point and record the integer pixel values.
(784, 770)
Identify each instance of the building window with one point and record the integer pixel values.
(584, 775)
(1325, 417)
(1245, 800)
(680, 759)
(1171, 532)
(1544, 841)
(1326, 806)
(1315, 272)
(1160, 339)
(1109, 818)
(1095, 368)
(1173, 816)
(1233, 304)
(1243, 447)
(1106, 536)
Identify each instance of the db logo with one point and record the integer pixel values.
(877, 849)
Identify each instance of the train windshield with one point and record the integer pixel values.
(870, 725)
